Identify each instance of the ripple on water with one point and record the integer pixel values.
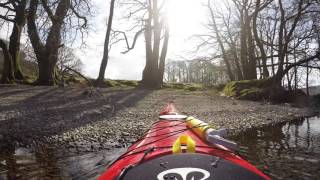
(285, 151)
(52, 163)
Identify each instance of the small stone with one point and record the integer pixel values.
(118, 146)
(3, 163)
(125, 134)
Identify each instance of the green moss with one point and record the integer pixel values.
(111, 83)
(247, 89)
(184, 86)
(230, 89)
(130, 83)
(174, 85)
(121, 83)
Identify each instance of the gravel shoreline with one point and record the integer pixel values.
(76, 117)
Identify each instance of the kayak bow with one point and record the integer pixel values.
(178, 147)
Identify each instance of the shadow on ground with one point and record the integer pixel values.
(48, 111)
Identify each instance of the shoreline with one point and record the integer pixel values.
(74, 118)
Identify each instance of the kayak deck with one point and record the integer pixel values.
(158, 142)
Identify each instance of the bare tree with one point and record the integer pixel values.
(7, 73)
(259, 7)
(106, 49)
(266, 36)
(68, 60)
(15, 13)
(150, 21)
(289, 23)
(53, 22)
(221, 44)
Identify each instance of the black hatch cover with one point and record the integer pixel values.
(188, 166)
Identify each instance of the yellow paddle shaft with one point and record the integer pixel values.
(199, 127)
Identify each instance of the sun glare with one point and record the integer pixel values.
(184, 16)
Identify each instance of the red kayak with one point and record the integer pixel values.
(178, 147)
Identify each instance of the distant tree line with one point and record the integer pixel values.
(264, 39)
(195, 71)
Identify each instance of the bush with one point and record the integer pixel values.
(261, 90)
(245, 87)
(248, 89)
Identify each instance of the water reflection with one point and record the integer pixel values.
(285, 151)
(52, 163)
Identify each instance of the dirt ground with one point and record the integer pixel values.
(111, 117)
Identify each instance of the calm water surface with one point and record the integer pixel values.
(284, 151)
(54, 164)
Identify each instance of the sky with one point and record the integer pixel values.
(186, 17)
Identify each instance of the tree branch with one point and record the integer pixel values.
(129, 48)
(84, 25)
(48, 10)
(32, 28)
(6, 6)
(317, 55)
(6, 18)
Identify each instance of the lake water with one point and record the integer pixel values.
(284, 151)
(54, 164)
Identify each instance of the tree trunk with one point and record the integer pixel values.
(14, 46)
(7, 72)
(163, 55)
(260, 69)
(273, 35)
(14, 49)
(252, 65)
(47, 55)
(105, 57)
(287, 74)
(233, 49)
(224, 56)
(150, 72)
(272, 60)
(307, 80)
(295, 68)
(47, 76)
(237, 63)
(259, 43)
(243, 45)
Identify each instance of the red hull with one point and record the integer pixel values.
(161, 136)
